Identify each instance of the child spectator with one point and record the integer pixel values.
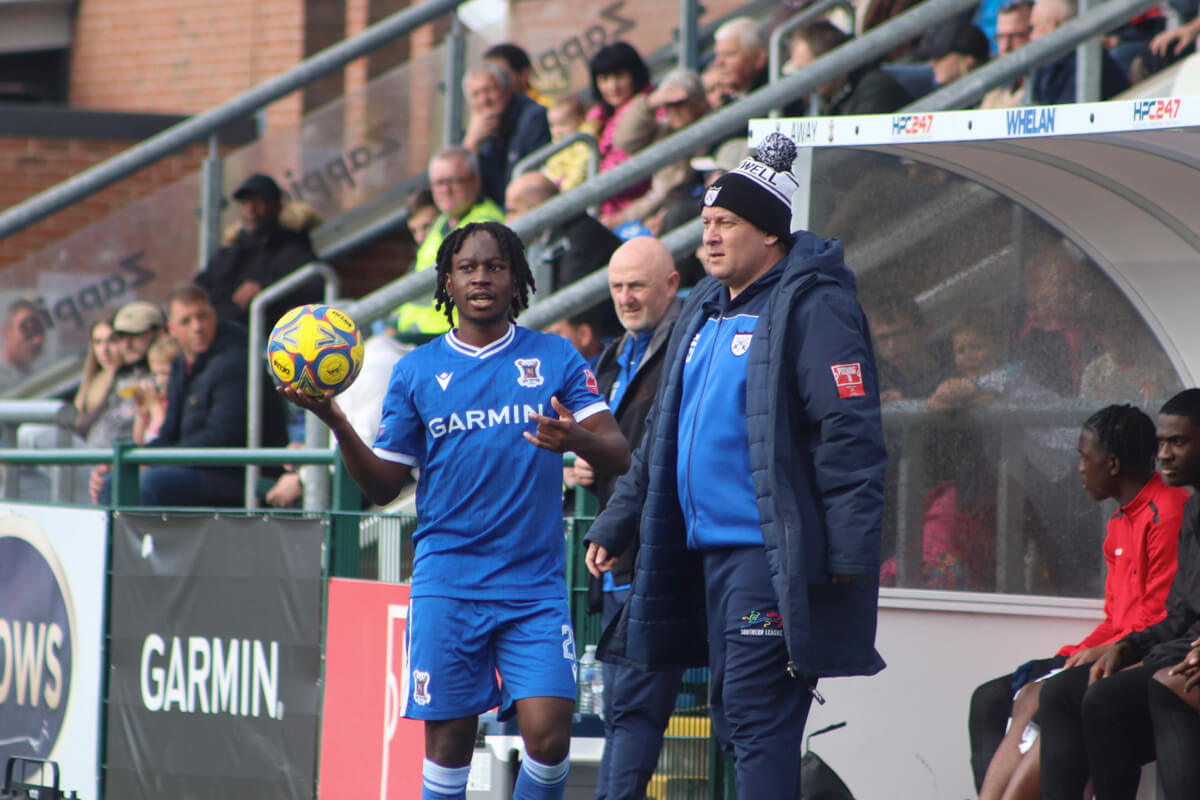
(622, 115)
(150, 395)
(568, 168)
(422, 212)
(979, 343)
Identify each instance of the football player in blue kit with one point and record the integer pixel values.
(484, 411)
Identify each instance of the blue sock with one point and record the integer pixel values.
(538, 781)
(443, 783)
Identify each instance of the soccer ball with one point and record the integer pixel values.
(315, 349)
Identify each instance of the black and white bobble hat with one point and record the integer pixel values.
(760, 189)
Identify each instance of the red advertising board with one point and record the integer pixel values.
(367, 749)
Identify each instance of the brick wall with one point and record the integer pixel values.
(184, 56)
(33, 164)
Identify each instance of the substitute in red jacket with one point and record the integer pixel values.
(1117, 449)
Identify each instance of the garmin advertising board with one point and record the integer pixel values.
(215, 656)
(51, 637)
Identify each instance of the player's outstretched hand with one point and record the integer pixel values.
(559, 434)
(324, 407)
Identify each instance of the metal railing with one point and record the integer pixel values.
(315, 436)
(202, 125)
(57, 413)
(725, 123)
(775, 48)
(974, 85)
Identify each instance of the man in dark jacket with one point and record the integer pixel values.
(1096, 719)
(504, 127)
(262, 252)
(758, 487)
(206, 407)
(637, 705)
(866, 90)
(1054, 83)
(567, 252)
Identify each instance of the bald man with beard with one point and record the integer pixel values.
(573, 249)
(637, 705)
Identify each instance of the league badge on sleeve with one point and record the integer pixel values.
(592, 384)
(849, 380)
(529, 372)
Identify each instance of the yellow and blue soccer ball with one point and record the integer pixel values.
(315, 349)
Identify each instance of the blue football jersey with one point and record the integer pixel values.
(489, 503)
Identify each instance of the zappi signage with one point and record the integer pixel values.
(51, 603)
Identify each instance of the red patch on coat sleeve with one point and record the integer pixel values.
(592, 384)
(848, 379)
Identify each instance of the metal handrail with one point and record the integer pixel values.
(728, 121)
(200, 126)
(59, 413)
(975, 84)
(254, 377)
(774, 57)
(544, 153)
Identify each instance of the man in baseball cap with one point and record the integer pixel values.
(263, 252)
(758, 487)
(135, 327)
(953, 50)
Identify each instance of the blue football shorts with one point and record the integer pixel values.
(455, 648)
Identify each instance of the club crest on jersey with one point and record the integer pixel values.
(740, 343)
(849, 379)
(421, 687)
(529, 372)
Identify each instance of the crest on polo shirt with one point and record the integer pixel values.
(529, 372)
(740, 343)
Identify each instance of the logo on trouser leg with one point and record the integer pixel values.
(760, 623)
(568, 648)
(421, 687)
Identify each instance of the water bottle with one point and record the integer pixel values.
(589, 677)
(598, 688)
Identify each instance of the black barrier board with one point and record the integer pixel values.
(215, 657)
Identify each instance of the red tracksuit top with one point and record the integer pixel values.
(1140, 551)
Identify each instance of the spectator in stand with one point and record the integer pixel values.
(1095, 717)
(568, 168)
(877, 12)
(741, 56)
(718, 91)
(150, 395)
(520, 69)
(622, 116)
(1054, 83)
(1116, 460)
(589, 331)
(1131, 367)
(205, 407)
(504, 128)
(570, 250)
(99, 375)
(24, 335)
(637, 705)
(680, 99)
(1052, 344)
(866, 90)
(1165, 49)
(263, 251)
(457, 191)
(422, 211)
(1012, 33)
(136, 326)
(910, 365)
(954, 51)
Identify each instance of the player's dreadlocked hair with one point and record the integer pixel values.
(510, 247)
(1127, 433)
